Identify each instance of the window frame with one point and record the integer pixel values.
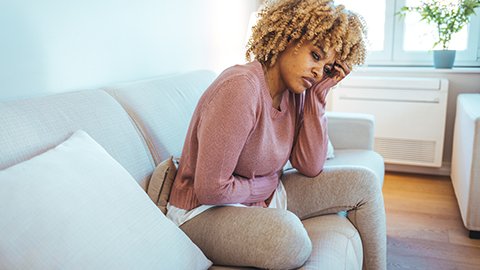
(394, 55)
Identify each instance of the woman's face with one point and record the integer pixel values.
(301, 69)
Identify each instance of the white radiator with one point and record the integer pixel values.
(409, 113)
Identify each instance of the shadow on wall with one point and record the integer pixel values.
(22, 61)
(54, 46)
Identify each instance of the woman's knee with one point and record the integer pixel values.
(368, 183)
(263, 238)
(290, 243)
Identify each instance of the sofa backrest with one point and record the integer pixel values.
(30, 127)
(162, 108)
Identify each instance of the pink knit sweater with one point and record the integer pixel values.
(237, 143)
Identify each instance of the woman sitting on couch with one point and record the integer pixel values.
(252, 120)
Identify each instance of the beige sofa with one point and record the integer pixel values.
(142, 123)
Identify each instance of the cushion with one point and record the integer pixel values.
(162, 108)
(161, 183)
(330, 150)
(336, 243)
(29, 127)
(75, 207)
(359, 157)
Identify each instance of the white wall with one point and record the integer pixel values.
(53, 46)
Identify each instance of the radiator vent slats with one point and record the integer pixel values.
(398, 150)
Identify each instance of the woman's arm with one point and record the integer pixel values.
(309, 150)
(311, 142)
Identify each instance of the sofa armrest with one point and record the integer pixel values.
(351, 130)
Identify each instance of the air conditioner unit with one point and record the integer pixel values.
(410, 115)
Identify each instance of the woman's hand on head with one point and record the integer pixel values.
(337, 73)
(341, 70)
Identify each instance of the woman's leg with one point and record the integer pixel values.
(352, 189)
(256, 237)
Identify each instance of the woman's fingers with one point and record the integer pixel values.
(345, 66)
(342, 70)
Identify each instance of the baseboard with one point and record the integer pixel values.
(444, 170)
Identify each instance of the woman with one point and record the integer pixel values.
(250, 122)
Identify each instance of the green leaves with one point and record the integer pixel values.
(449, 18)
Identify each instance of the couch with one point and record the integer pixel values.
(138, 124)
(465, 172)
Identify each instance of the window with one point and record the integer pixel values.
(408, 41)
(419, 36)
(376, 24)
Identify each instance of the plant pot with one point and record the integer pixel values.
(443, 58)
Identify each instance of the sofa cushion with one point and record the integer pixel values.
(30, 127)
(75, 207)
(339, 244)
(330, 150)
(162, 108)
(359, 157)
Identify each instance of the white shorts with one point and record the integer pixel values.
(180, 216)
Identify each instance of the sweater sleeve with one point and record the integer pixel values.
(224, 128)
(310, 146)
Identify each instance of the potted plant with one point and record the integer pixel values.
(449, 17)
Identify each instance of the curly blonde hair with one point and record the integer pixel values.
(319, 21)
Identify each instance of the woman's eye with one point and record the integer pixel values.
(315, 56)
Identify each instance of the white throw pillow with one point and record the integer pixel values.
(330, 150)
(75, 207)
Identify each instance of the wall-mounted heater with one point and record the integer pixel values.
(409, 113)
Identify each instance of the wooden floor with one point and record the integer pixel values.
(424, 227)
